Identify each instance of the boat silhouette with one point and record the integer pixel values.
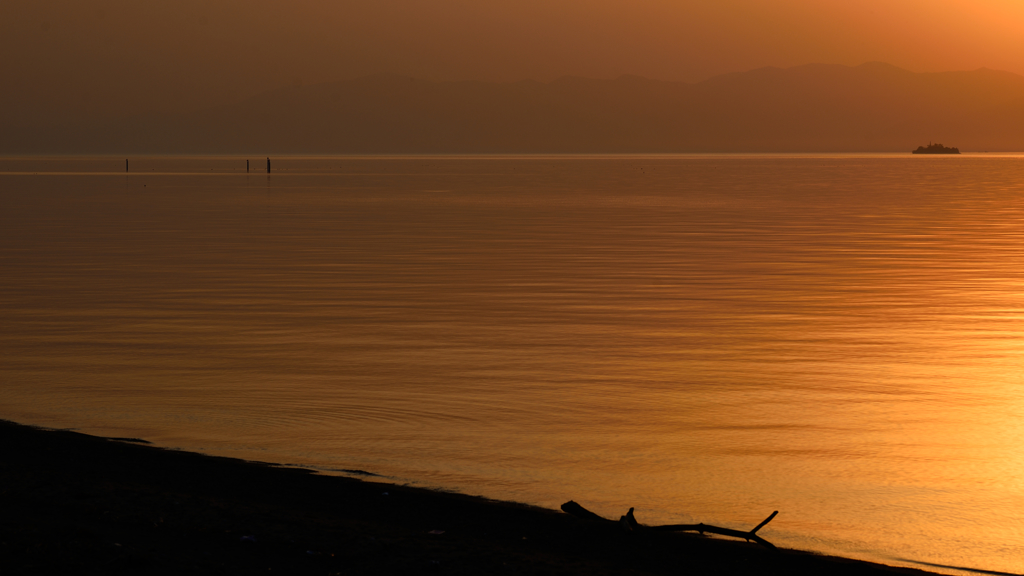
(935, 149)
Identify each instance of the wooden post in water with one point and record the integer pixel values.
(268, 165)
(246, 166)
(125, 164)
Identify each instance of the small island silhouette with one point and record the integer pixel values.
(935, 149)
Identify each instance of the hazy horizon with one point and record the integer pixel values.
(112, 58)
(874, 107)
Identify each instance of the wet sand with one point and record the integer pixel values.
(78, 504)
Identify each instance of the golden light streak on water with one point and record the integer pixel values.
(704, 338)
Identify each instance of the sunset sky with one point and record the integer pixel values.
(75, 58)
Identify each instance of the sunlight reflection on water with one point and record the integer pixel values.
(704, 338)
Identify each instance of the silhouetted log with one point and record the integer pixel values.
(765, 521)
(629, 524)
(702, 528)
(631, 519)
(573, 509)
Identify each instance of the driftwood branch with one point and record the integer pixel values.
(574, 509)
(629, 523)
(765, 521)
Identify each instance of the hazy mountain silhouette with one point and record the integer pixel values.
(872, 107)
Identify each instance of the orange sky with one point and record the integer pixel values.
(81, 58)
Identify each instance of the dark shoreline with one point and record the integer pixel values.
(74, 503)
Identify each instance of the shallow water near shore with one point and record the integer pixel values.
(706, 338)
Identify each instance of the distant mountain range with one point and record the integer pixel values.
(818, 107)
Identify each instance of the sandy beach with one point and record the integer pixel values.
(74, 503)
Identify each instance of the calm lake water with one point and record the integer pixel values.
(706, 338)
